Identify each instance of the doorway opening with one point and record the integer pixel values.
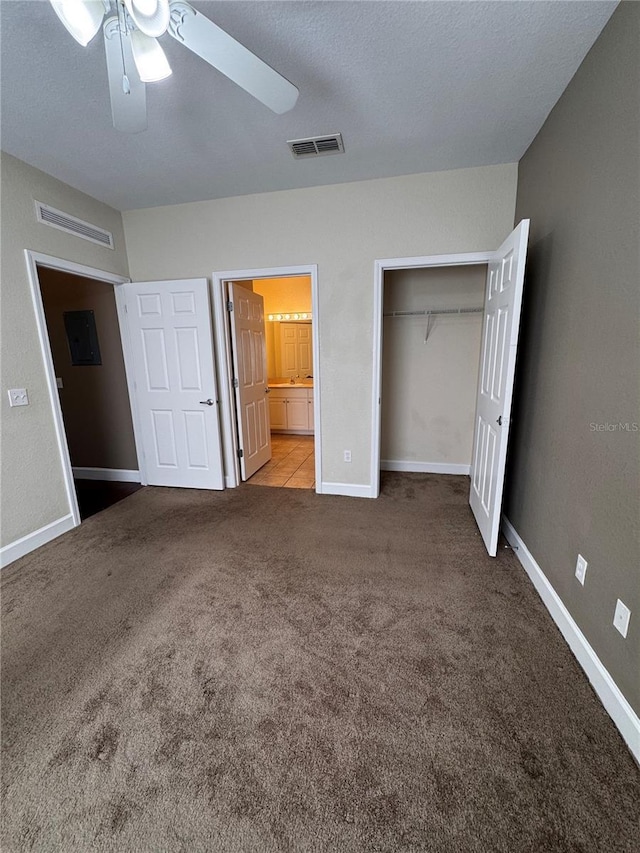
(406, 288)
(81, 340)
(494, 391)
(432, 329)
(267, 339)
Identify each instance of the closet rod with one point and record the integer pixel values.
(435, 311)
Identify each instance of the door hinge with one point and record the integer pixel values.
(126, 308)
(229, 305)
(236, 384)
(240, 453)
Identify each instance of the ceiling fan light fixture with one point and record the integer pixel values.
(149, 57)
(82, 18)
(151, 17)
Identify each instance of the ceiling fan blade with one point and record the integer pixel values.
(128, 92)
(219, 49)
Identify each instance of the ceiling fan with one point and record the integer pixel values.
(134, 56)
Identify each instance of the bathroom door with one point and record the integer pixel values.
(248, 343)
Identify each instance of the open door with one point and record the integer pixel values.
(250, 378)
(174, 379)
(501, 321)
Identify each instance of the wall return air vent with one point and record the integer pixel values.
(316, 146)
(72, 225)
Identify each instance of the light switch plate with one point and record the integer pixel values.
(621, 617)
(581, 568)
(18, 397)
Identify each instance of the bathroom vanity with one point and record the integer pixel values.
(291, 407)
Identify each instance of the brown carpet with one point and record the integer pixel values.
(272, 670)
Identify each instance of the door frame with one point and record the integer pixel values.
(222, 338)
(380, 267)
(38, 259)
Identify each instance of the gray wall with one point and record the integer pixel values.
(573, 488)
(33, 490)
(95, 400)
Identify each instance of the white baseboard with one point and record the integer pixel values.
(348, 489)
(120, 475)
(412, 466)
(34, 540)
(620, 711)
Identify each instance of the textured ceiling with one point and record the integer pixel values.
(412, 86)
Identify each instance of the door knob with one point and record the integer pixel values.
(208, 402)
(267, 390)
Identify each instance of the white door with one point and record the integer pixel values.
(304, 349)
(288, 346)
(250, 378)
(295, 349)
(174, 380)
(501, 321)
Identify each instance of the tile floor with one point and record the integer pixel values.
(292, 463)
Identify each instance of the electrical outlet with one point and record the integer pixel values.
(581, 568)
(18, 397)
(347, 456)
(621, 617)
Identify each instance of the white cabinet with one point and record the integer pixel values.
(295, 349)
(277, 412)
(310, 417)
(291, 410)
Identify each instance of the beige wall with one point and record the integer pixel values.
(342, 228)
(33, 493)
(288, 294)
(574, 489)
(429, 389)
(281, 295)
(95, 399)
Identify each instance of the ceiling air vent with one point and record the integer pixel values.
(316, 146)
(72, 225)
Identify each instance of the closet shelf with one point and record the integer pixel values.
(429, 313)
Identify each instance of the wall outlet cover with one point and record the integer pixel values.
(347, 456)
(621, 617)
(581, 568)
(18, 397)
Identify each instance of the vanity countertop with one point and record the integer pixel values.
(299, 383)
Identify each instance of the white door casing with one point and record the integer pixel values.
(501, 321)
(174, 382)
(250, 372)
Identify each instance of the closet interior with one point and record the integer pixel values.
(431, 352)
